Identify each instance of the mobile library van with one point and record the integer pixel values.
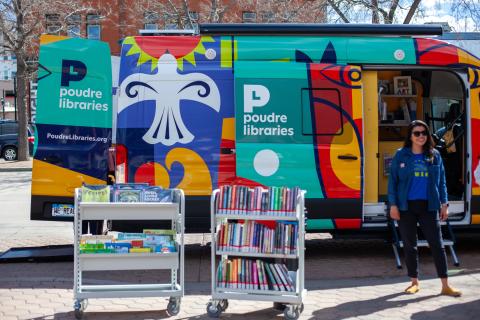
(322, 107)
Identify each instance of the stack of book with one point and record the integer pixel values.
(150, 241)
(251, 236)
(253, 274)
(126, 192)
(242, 200)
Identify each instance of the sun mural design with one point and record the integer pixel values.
(150, 49)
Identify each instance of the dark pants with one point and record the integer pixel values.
(430, 225)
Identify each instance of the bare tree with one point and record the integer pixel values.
(379, 11)
(20, 24)
(310, 11)
(464, 10)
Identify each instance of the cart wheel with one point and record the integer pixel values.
(301, 308)
(223, 304)
(78, 314)
(291, 313)
(214, 310)
(173, 307)
(79, 306)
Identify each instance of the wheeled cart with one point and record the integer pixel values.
(173, 261)
(221, 294)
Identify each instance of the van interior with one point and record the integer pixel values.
(435, 96)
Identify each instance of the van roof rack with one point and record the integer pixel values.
(320, 29)
(162, 32)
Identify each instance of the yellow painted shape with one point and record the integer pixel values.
(228, 129)
(370, 135)
(235, 50)
(466, 58)
(475, 103)
(476, 191)
(347, 171)
(357, 97)
(48, 38)
(196, 178)
(475, 218)
(52, 180)
(162, 178)
(226, 53)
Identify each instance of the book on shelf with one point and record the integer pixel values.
(253, 274)
(251, 236)
(126, 192)
(95, 193)
(243, 200)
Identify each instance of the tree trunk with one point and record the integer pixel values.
(23, 152)
(411, 12)
(375, 18)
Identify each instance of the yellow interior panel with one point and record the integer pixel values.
(370, 135)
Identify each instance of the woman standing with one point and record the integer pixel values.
(416, 192)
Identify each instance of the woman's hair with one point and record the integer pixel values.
(428, 146)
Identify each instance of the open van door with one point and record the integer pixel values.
(300, 124)
(74, 123)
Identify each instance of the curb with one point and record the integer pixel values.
(15, 169)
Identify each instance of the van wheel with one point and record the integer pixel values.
(10, 153)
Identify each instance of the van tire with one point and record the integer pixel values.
(10, 153)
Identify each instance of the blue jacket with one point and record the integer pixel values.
(401, 173)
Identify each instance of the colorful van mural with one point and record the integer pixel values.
(196, 112)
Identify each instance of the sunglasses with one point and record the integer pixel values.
(419, 133)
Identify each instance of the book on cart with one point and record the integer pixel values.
(151, 249)
(257, 246)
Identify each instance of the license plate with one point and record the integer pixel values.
(62, 210)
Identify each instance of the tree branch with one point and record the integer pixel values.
(411, 12)
(338, 11)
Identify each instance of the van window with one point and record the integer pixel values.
(327, 110)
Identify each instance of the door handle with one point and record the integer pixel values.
(227, 150)
(347, 157)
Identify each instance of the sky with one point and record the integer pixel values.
(439, 11)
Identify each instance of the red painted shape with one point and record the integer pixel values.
(348, 223)
(178, 46)
(436, 53)
(227, 163)
(146, 174)
(335, 93)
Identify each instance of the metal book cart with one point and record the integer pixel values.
(174, 261)
(293, 300)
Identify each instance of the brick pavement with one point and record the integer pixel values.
(357, 282)
(346, 279)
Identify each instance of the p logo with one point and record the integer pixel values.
(78, 73)
(254, 95)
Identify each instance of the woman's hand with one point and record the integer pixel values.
(394, 213)
(444, 213)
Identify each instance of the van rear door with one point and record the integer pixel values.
(74, 119)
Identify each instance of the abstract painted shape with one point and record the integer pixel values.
(435, 52)
(266, 162)
(337, 124)
(167, 88)
(196, 176)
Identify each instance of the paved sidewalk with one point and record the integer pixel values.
(35, 291)
(15, 166)
(345, 279)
